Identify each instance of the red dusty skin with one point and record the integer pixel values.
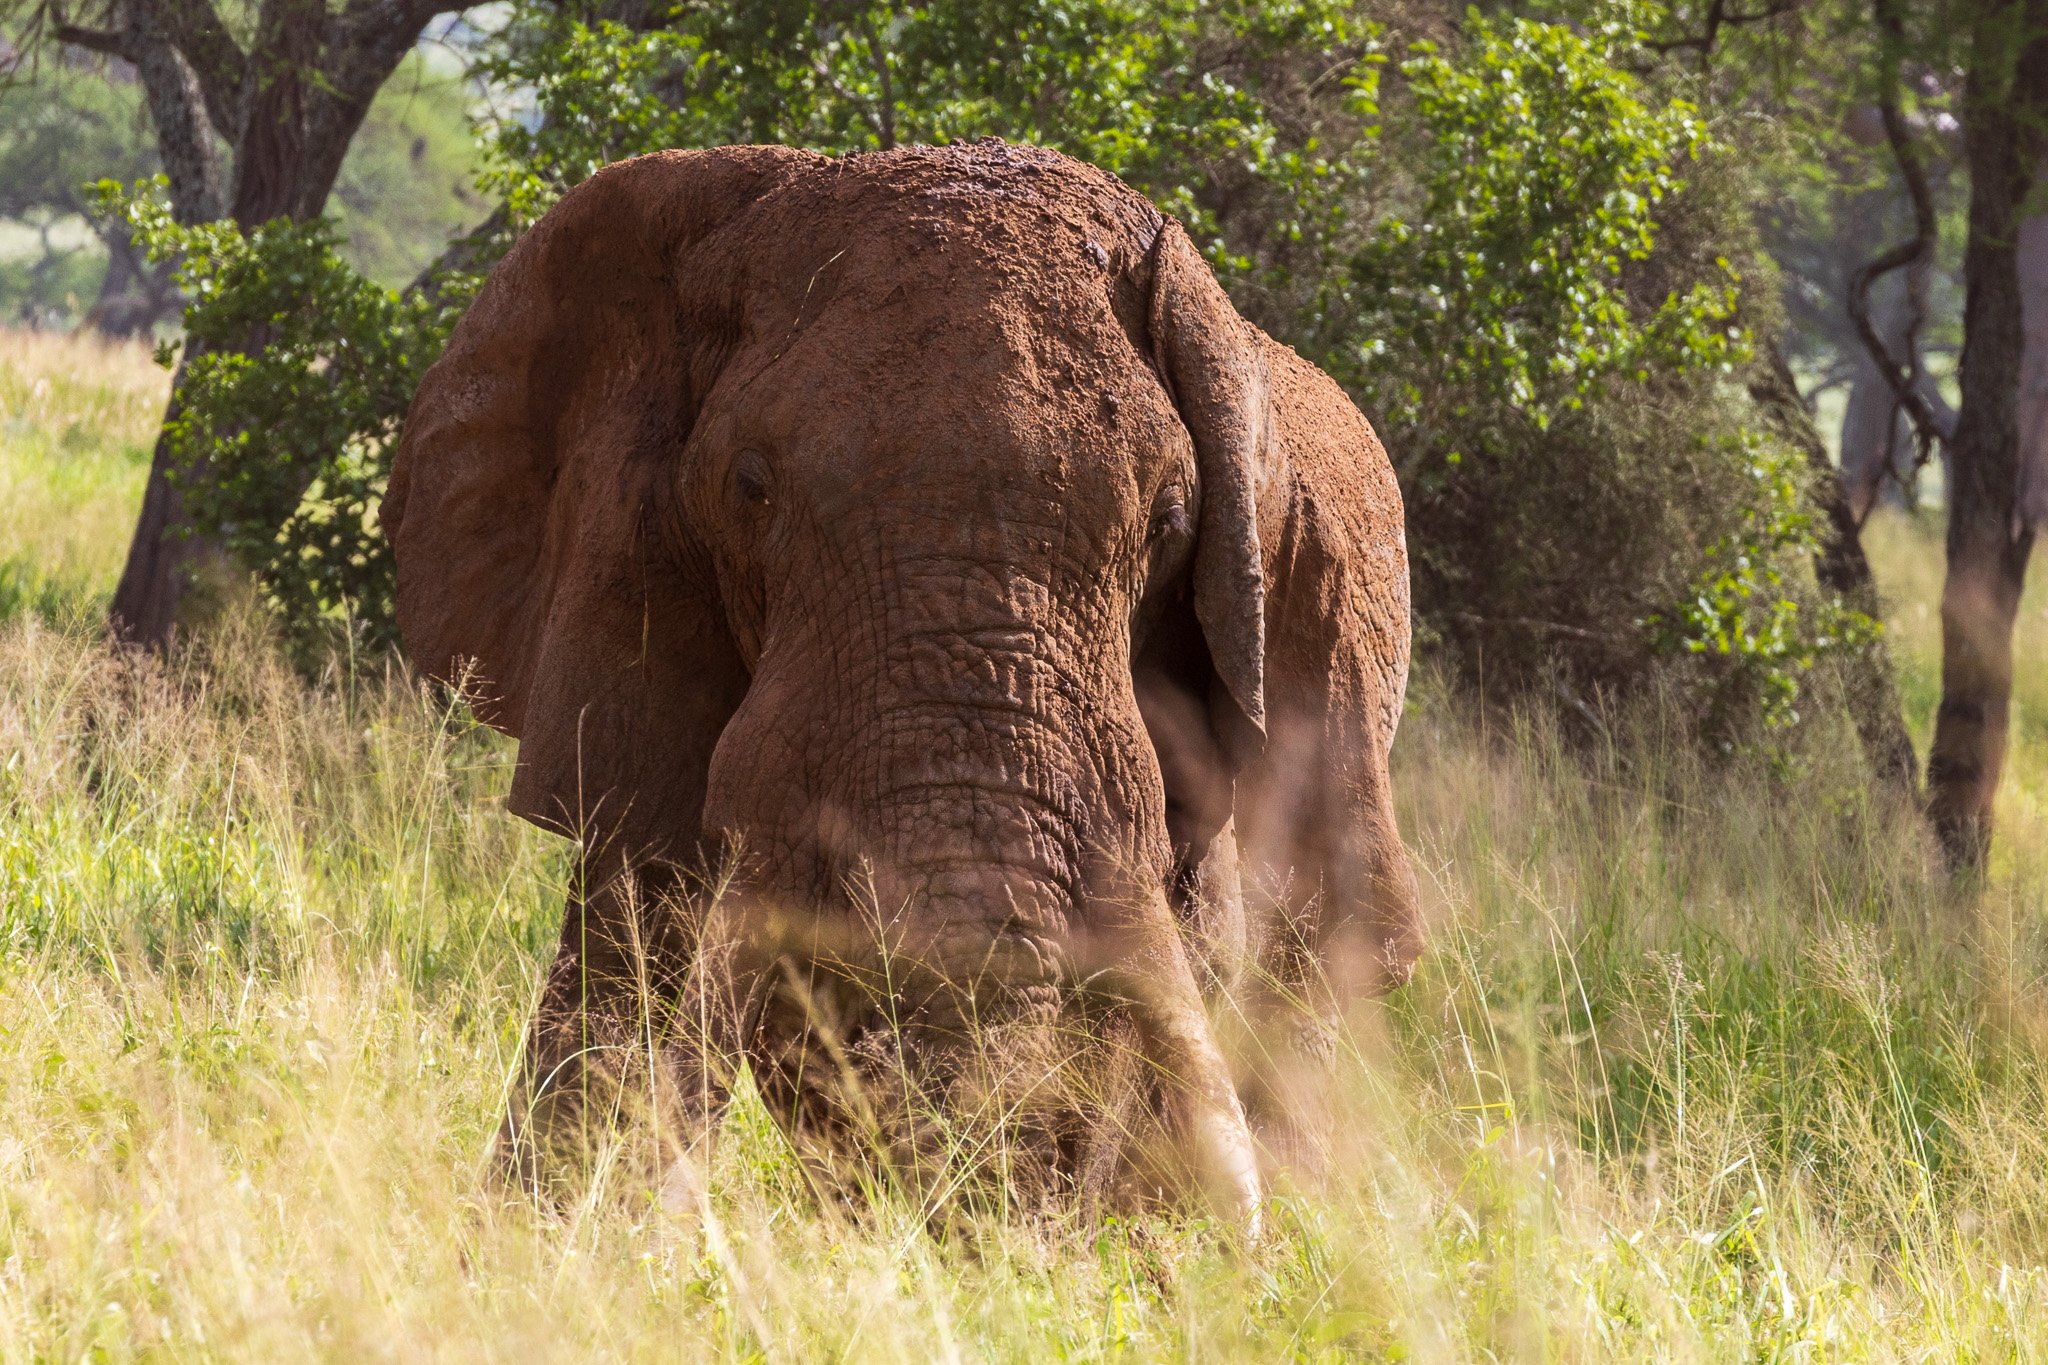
(930, 521)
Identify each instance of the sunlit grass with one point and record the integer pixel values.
(1695, 1068)
(77, 419)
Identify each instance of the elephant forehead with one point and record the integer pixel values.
(971, 380)
(970, 264)
(949, 199)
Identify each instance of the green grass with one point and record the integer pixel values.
(1696, 1067)
(77, 419)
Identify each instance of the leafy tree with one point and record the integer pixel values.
(294, 434)
(282, 86)
(1251, 122)
(1545, 332)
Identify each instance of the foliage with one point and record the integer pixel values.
(408, 183)
(283, 446)
(1742, 617)
(599, 94)
(1251, 121)
(1500, 298)
(1545, 332)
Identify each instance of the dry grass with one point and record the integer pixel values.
(1696, 1067)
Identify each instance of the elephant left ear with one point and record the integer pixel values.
(1214, 366)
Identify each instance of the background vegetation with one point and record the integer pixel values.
(1491, 240)
(408, 183)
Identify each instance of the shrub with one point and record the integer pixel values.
(1548, 323)
(295, 379)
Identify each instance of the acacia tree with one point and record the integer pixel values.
(69, 127)
(247, 133)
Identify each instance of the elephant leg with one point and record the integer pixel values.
(1291, 1017)
(1211, 901)
(712, 1027)
(1338, 930)
(1148, 966)
(600, 1047)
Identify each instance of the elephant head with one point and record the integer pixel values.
(900, 514)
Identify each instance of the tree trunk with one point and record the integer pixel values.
(162, 551)
(1843, 569)
(1988, 540)
(270, 156)
(2033, 418)
(293, 103)
(163, 556)
(135, 295)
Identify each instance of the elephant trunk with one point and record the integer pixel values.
(1003, 822)
(978, 856)
(974, 771)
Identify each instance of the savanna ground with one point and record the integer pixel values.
(1701, 1064)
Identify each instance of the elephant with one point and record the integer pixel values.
(931, 524)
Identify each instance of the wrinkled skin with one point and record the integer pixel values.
(931, 522)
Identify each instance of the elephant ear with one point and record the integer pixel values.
(536, 566)
(1214, 367)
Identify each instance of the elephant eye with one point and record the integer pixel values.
(1169, 518)
(750, 479)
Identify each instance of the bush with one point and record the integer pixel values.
(1250, 122)
(295, 379)
(1548, 328)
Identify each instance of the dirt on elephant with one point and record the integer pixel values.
(929, 528)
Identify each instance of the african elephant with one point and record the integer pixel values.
(929, 519)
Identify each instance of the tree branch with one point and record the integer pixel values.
(195, 28)
(823, 70)
(93, 40)
(1719, 18)
(364, 45)
(1842, 568)
(1535, 626)
(474, 252)
(1914, 255)
(184, 134)
(879, 59)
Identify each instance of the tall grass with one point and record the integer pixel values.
(77, 419)
(1698, 1065)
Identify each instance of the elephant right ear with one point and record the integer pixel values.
(535, 567)
(1214, 367)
